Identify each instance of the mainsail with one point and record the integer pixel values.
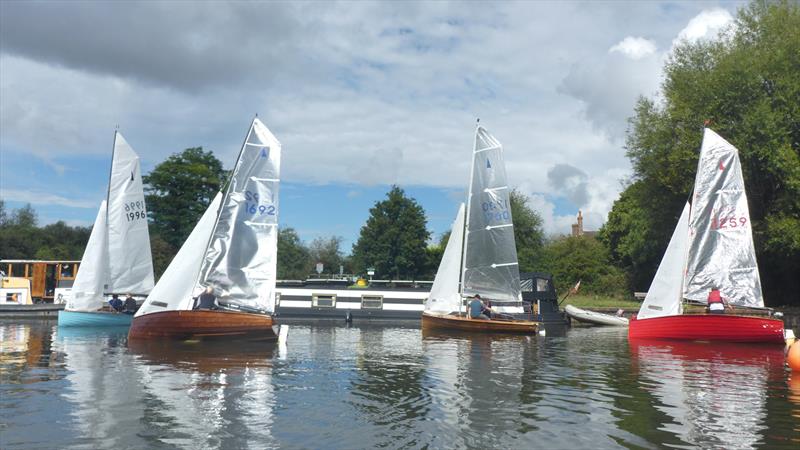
(233, 248)
(445, 295)
(117, 257)
(129, 258)
(90, 282)
(721, 254)
(664, 296)
(242, 271)
(490, 254)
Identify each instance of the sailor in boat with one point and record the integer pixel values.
(715, 303)
(206, 300)
(115, 303)
(478, 310)
(130, 304)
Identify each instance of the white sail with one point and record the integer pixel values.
(490, 254)
(175, 289)
(130, 262)
(721, 253)
(90, 282)
(240, 262)
(445, 296)
(664, 298)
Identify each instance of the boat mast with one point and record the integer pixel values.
(464, 239)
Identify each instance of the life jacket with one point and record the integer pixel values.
(714, 297)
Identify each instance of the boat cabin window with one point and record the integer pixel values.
(371, 302)
(526, 285)
(17, 270)
(324, 300)
(67, 270)
(541, 285)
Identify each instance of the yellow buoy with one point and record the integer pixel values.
(793, 356)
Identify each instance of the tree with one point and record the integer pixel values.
(394, 239)
(20, 238)
(163, 252)
(327, 252)
(528, 232)
(583, 258)
(179, 190)
(293, 256)
(747, 84)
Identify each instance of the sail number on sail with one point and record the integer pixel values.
(135, 211)
(255, 207)
(718, 223)
(496, 210)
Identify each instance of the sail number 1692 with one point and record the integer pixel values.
(253, 206)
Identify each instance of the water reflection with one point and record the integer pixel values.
(368, 386)
(714, 394)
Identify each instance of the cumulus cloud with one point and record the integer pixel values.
(634, 47)
(706, 25)
(45, 198)
(358, 93)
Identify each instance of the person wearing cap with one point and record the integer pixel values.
(715, 303)
(477, 309)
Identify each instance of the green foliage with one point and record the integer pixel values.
(327, 252)
(179, 190)
(747, 85)
(394, 239)
(528, 232)
(162, 252)
(583, 258)
(21, 238)
(293, 257)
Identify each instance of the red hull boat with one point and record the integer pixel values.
(708, 327)
(203, 324)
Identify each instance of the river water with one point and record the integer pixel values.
(391, 386)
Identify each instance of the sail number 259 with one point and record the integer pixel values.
(253, 207)
(718, 223)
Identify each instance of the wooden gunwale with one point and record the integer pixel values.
(431, 320)
(200, 324)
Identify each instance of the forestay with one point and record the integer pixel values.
(90, 282)
(445, 296)
(242, 270)
(490, 254)
(721, 253)
(664, 298)
(176, 287)
(130, 262)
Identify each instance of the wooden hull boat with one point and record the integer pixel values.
(93, 319)
(454, 322)
(203, 324)
(708, 327)
(595, 318)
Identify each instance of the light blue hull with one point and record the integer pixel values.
(93, 319)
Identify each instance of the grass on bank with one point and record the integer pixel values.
(599, 301)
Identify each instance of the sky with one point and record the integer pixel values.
(362, 95)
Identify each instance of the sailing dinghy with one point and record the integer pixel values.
(711, 248)
(481, 255)
(117, 257)
(233, 250)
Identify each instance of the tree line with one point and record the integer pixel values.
(746, 84)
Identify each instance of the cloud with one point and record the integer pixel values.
(43, 198)
(634, 47)
(706, 25)
(359, 93)
(570, 181)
